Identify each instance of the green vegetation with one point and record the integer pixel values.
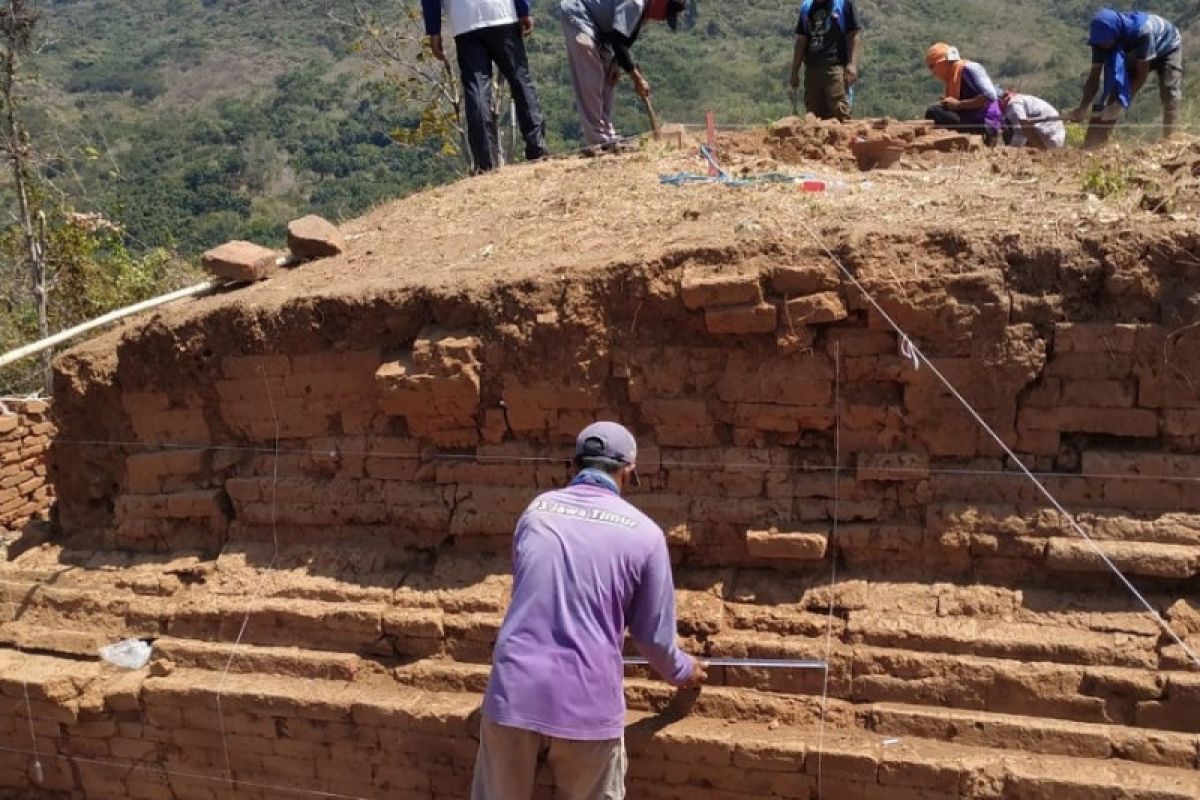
(1104, 180)
(189, 123)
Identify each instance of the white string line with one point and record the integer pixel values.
(262, 582)
(159, 769)
(745, 126)
(37, 760)
(504, 459)
(1096, 549)
(832, 547)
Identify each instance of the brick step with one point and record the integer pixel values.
(1024, 641)
(1164, 546)
(1035, 734)
(1168, 700)
(1165, 561)
(370, 738)
(976, 728)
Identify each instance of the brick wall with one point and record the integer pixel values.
(351, 740)
(440, 441)
(25, 433)
(389, 462)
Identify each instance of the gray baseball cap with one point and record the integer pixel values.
(608, 440)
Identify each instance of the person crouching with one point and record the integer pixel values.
(970, 102)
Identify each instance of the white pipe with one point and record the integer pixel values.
(112, 316)
(121, 313)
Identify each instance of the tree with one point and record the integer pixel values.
(415, 77)
(76, 265)
(17, 22)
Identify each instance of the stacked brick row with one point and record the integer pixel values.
(25, 434)
(277, 735)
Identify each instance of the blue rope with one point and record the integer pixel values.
(682, 178)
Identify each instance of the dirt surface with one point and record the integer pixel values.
(567, 217)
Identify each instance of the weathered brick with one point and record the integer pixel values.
(742, 319)
(790, 545)
(814, 309)
(803, 279)
(1134, 422)
(709, 291)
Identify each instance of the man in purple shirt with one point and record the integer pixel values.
(586, 566)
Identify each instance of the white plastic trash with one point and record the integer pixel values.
(128, 653)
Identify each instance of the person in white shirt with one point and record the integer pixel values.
(1031, 122)
(488, 32)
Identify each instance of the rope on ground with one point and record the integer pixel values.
(722, 176)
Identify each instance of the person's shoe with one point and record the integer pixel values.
(618, 146)
(537, 155)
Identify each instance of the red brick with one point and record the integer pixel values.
(1134, 422)
(790, 545)
(1076, 337)
(720, 290)
(797, 280)
(686, 413)
(814, 309)
(744, 319)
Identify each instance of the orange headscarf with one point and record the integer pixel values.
(945, 62)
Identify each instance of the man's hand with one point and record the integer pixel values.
(699, 675)
(851, 75)
(526, 26)
(794, 80)
(952, 103)
(1075, 114)
(640, 84)
(435, 44)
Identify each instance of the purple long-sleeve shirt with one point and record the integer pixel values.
(586, 565)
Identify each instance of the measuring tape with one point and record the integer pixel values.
(755, 663)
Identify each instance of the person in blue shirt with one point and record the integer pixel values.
(488, 32)
(827, 46)
(1126, 48)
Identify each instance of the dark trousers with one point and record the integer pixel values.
(503, 46)
(953, 120)
(1169, 68)
(825, 91)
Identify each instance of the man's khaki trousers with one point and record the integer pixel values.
(509, 759)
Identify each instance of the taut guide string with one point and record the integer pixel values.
(257, 591)
(504, 459)
(920, 358)
(38, 774)
(832, 548)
